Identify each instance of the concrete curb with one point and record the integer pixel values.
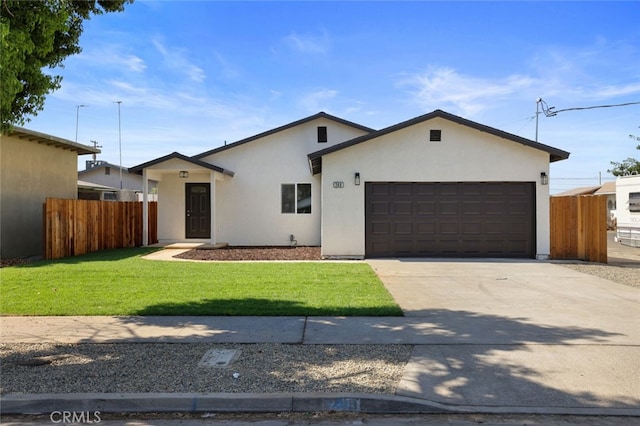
(267, 403)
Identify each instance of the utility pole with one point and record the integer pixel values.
(94, 155)
(120, 141)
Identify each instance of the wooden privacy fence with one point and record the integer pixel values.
(73, 227)
(579, 228)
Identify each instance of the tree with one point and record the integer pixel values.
(628, 166)
(36, 35)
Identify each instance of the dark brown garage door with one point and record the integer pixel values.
(450, 219)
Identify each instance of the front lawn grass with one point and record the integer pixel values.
(120, 282)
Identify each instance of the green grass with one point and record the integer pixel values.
(120, 282)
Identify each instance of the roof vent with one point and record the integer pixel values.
(322, 134)
(435, 135)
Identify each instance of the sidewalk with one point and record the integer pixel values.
(435, 356)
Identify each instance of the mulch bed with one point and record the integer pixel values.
(253, 253)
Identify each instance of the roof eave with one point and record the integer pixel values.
(555, 154)
(176, 155)
(50, 140)
(321, 114)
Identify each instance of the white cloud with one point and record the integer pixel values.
(308, 43)
(441, 87)
(176, 59)
(112, 56)
(577, 73)
(621, 90)
(318, 100)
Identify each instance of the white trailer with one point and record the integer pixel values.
(628, 210)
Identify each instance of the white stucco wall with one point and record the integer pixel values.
(172, 197)
(465, 154)
(249, 204)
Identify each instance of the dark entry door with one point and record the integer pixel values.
(198, 210)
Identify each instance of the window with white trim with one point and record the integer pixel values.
(296, 198)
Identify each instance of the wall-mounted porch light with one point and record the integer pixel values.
(356, 179)
(544, 179)
(183, 174)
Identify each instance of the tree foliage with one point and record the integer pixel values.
(36, 36)
(628, 166)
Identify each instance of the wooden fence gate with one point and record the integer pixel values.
(579, 228)
(73, 227)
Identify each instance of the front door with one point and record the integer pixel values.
(198, 210)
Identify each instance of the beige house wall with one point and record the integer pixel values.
(29, 173)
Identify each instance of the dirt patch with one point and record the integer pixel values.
(253, 253)
(14, 262)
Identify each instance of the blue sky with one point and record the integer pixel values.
(194, 74)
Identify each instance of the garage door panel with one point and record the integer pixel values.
(380, 228)
(447, 188)
(496, 228)
(471, 207)
(403, 228)
(462, 219)
(402, 189)
(426, 228)
(425, 207)
(448, 228)
(448, 208)
(472, 247)
(380, 208)
(381, 189)
(402, 207)
(498, 208)
(424, 190)
(472, 228)
(518, 228)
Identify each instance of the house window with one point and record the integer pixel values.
(634, 201)
(435, 135)
(107, 170)
(296, 198)
(322, 134)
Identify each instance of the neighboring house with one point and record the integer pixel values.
(33, 167)
(608, 189)
(436, 185)
(108, 175)
(94, 191)
(628, 212)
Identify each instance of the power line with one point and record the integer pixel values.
(552, 112)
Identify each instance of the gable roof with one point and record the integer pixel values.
(606, 188)
(100, 165)
(321, 114)
(95, 186)
(315, 158)
(45, 139)
(583, 190)
(176, 155)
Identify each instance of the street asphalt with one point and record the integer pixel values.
(489, 336)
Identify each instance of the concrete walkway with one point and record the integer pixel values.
(489, 336)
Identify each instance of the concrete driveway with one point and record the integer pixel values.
(517, 334)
